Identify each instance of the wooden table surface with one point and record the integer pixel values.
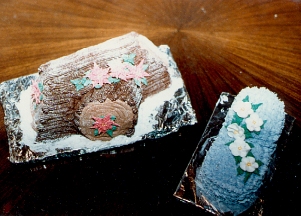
(219, 46)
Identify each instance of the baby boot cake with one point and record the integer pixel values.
(108, 95)
(233, 162)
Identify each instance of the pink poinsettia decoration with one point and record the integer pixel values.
(104, 125)
(137, 71)
(35, 92)
(98, 76)
(118, 70)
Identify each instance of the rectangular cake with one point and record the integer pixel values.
(105, 96)
(236, 157)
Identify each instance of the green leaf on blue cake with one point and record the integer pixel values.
(239, 171)
(250, 154)
(248, 134)
(237, 159)
(256, 172)
(250, 144)
(236, 119)
(247, 176)
(246, 99)
(260, 163)
(255, 106)
(229, 143)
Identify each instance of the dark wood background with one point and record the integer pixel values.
(218, 46)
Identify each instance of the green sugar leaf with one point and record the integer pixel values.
(262, 126)
(236, 119)
(248, 133)
(96, 132)
(75, 81)
(237, 159)
(41, 87)
(256, 172)
(113, 80)
(260, 163)
(114, 128)
(250, 154)
(247, 176)
(129, 58)
(138, 82)
(144, 81)
(250, 144)
(145, 66)
(86, 81)
(110, 133)
(229, 143)
(239, 171)
(255, 106)
(246, 99)
(97, 86)
(79, 87)
(113, 118)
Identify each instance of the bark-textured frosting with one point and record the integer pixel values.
(61, 111)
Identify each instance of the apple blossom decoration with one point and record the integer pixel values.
(117, 70)
(104, 124)
(36, 92)
(244, 124)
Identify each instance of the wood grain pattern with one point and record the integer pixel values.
(218, 45)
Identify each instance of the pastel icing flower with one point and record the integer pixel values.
(98, 76)
(118, 69)
(239, 148)
(36, 90)
(254, 122)
(248, 164)
(243, 109)
(104, 125)
(137, 72)
(235, 131)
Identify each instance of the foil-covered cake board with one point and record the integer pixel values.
(160, 114)
(186, 189)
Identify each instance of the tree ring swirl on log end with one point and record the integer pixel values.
(121, 110)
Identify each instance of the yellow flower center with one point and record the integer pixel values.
(239, 148)
(249, 164)
(254, 122)
(242, 109)
(235, 131)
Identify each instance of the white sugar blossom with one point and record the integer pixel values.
(235, 131)
(243, 109)
(248, 164)
(254, 122)
(239, 148)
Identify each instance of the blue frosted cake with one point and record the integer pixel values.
(240, 156)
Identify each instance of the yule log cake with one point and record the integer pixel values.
(108, 95)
